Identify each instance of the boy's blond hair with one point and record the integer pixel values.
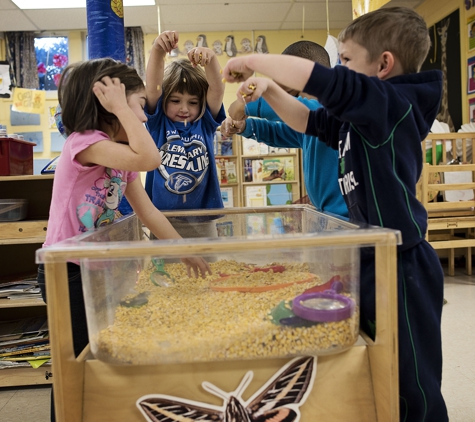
(180, 76)
(399, 30)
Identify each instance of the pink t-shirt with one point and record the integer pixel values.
(83, 197)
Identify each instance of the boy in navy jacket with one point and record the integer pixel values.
(376, 111)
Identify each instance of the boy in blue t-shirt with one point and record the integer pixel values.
(320, 163)
(376, 111)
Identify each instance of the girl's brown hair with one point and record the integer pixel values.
(180, 76)
(80, 108)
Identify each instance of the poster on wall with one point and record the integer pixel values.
(471, 75)
(471, 32)
(471, 109)
(5, 82)
(445, 50)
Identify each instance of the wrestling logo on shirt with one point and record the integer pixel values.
(184, 164)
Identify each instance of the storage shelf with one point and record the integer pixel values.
(20, 303)
(19, 241)
(271, 182)
(16, 377)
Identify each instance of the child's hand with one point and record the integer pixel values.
(252, 89)
(167, 41)
(230, 126)
(236, 70)
(237, 110)
(111, 94)
(200, 55)
(198, 265)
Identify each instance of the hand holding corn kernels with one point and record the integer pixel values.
(229, 126)
(252, 89)
(166, 41)
(236, 70)
(200, 56)
(198, 265)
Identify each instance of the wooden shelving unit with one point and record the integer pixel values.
(269, 176)
(19, 241)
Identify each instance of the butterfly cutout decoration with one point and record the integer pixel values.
(277, 401)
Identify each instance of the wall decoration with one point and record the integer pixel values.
(218, 47)
(36, 137)
(471, 109)
(5, 81)
(278, 400)
(29, 100)
(230, 46)
(471, 75)
(201, 41)
(51, 118)
(445, 48)
(57, 142)
(23, 119)
(246, 46)
(471, 32)
(261, 45)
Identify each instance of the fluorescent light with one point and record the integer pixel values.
(69, 4)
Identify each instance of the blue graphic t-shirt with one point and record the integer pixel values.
(187, 177)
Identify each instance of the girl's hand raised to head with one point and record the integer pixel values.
(111, 94)
(200, 56)
(198, 265)
(167, 41)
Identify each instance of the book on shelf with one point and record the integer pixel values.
(226, 170)
(278, 168)
(256, 196)
(280, 150)
(252, 147)
(279, 194)
(248, 170)
(223, 145)
(227, 195)
(257, 170)
(15, 330)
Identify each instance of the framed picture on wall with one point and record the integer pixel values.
(471, 32)
(471, 109)
(471, 75)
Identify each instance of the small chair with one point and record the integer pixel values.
(451, 221)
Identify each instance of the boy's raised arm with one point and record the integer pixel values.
(288, 108)
(163, 44)
(291, 71)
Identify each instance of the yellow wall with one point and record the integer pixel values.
(432, 11)
(277, 41)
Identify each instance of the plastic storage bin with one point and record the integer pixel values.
(13, 209)
(271, 295)
(96, 389)
(16, 157)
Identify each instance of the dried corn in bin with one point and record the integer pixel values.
(149, 311)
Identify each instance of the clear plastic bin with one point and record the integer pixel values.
(271, 295)
(13, 209)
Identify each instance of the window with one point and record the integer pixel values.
(51, 59)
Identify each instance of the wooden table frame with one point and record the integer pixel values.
(360, 384)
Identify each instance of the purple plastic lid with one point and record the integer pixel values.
(323, 306)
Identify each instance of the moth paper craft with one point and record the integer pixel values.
(277, 401)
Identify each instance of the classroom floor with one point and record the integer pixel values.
(458, 385)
